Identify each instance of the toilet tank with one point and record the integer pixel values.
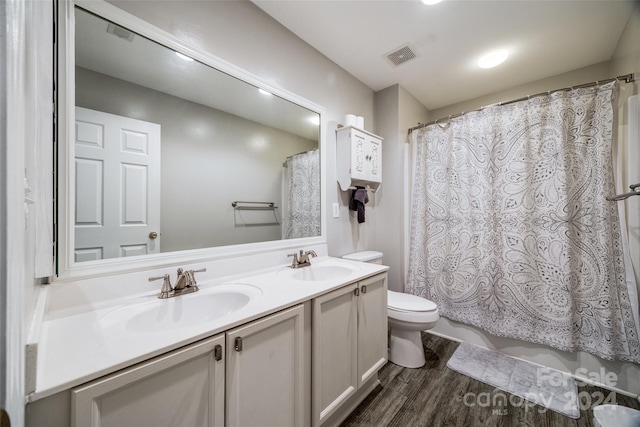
(373, 257)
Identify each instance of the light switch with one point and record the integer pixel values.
(336, 210)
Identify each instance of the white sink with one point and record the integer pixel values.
(316, 273)
(181, 311)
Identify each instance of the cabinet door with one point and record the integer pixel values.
(359, 156)
(372, 327)
(334, 376)
(182, 388)
(374, 159)
(265, 372)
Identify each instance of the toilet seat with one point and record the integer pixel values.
(413, 316)
(399, 301)
(411, 308)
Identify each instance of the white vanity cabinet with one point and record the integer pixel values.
(182, 388)
(359, 158)
(257, 378)
(267, 370)
(349, 347)
(310, 363)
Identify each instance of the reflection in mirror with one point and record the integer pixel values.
(165, 145)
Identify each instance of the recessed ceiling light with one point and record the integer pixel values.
(264, 92)
(185, 57)
(430, 2)
(493, 58)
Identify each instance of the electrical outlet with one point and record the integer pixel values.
(336, 210)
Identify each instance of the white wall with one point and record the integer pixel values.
(626, 59)
(25, 34)
(209, 159)
(242, 34)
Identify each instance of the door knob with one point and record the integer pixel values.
(153, 235)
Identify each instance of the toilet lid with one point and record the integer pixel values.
(408, 302)
(364, 256)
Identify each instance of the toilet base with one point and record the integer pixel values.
(405, 348)
(616, 416)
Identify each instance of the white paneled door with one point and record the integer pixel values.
(117, 164)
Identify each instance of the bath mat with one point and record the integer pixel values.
(544, 386)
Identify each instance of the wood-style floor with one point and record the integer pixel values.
(435, 396)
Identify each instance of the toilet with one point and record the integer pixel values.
(407, 315)
(615, 416)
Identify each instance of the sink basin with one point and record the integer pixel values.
(182, 311)
(321, 272)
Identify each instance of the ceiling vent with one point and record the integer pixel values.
(402, 55)
(120, 32)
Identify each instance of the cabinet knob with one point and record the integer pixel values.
(238, 344)
(356, 291)
(364, 289)
(217, 352)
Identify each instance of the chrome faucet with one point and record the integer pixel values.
(185, 283)
(302, 259)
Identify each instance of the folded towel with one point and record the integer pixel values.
(359, 198)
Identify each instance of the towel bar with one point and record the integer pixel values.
(635, 191)
(270, 206)
(368, 188)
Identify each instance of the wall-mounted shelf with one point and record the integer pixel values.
(358, 158)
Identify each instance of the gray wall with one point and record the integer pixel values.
(396, 111)
(240, 33)
(204, 168)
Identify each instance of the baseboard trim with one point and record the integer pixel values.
(348, 407)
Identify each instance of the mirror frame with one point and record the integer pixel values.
(67, 268)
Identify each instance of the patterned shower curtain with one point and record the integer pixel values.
(301, 216)
(510, 229)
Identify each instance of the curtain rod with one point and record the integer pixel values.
(627, 78)
(302, 152)
(284, 164)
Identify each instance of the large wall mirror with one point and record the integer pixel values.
(170, 154)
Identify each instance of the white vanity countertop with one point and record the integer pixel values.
(77, 348)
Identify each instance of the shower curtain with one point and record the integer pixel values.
(510, 229)
(301, 216)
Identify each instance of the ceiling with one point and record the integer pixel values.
(544, 38)
(143, 62)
